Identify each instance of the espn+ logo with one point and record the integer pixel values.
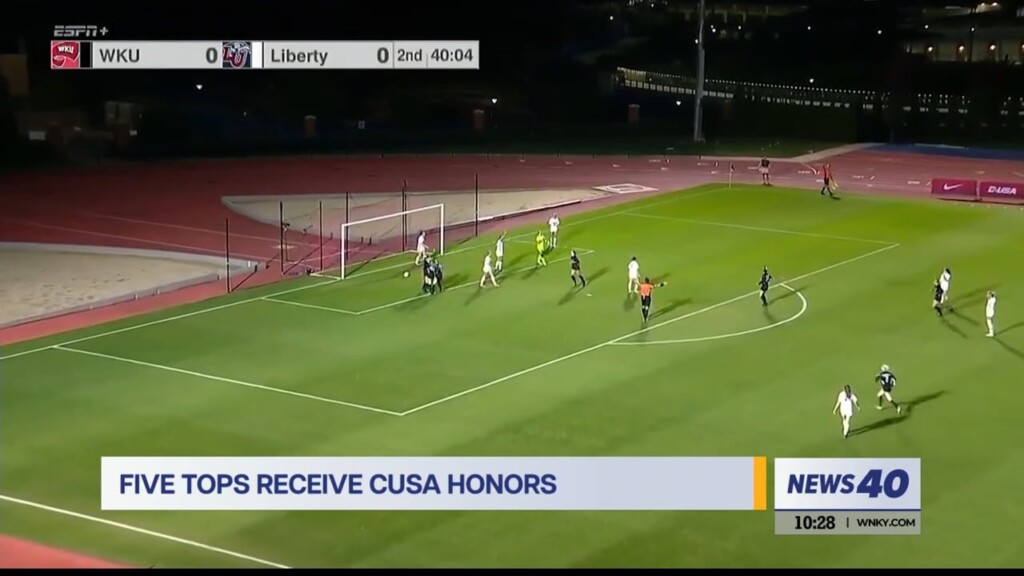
(891, 484)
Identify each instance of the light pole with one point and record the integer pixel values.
(699, 95)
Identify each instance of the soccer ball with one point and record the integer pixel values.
(405, 274)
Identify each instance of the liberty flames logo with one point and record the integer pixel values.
(237, 55)
(65, 54)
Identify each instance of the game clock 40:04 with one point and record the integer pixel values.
(451, 55)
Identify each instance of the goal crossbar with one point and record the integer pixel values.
(345, 227)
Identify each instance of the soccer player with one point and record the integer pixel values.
(488, 272)
(421, 248)
(633, 268)
(827, 180)
(574, 266)
(646, 292)
(764, 167)
(764, 284)
(990, 313)
(887, 382)
(499, 253)
(553, 224)
(428, 276)
(845, 405)
(541, 246)
(937, 300)
(944, 279)
(438, 272)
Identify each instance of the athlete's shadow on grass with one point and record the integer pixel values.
(909, 407)
(953, 327)
(519, 258)
(1011, 327)
(787, 294)
(1009, 348)
(630, 302)
(672, 306)
(597, 275)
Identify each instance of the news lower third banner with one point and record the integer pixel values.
(847, 496)
(575, 483)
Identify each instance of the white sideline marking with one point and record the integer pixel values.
(760, 229)
(313, 306)
(675, 197)
(581, 252)
(162, 320)
(636, 333)
(138, 530)
(803, 308)
(227, 380)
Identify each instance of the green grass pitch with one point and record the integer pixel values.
(362, 367)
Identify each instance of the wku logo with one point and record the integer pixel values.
(236, 55)
(1003, 190)
(65, 54)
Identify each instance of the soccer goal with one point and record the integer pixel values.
(365, 242)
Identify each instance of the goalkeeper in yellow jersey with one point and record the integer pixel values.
(541, 246)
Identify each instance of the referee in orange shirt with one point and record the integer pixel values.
(646, 291)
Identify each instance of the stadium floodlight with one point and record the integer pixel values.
(388, 236)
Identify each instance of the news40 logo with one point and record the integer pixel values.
(65, 54)
(237, 54)
(848, 484)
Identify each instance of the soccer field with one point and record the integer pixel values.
(365, 366)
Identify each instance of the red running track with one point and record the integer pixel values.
(178, 206)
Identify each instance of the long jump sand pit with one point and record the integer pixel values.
(303, 213)
(40, 280)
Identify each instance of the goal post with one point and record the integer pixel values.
(388, 236)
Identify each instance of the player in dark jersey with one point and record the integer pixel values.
(765, 167)
(937, 300)
(428, 276)
(887, 381)
(764, 284)
(438, 272)
(575, 270)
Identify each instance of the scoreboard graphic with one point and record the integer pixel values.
(823, 496)
(255, 55)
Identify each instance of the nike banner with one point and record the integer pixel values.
(952, 188)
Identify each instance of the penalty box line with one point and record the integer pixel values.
(619, 339)
(674, 197)
(581, 252)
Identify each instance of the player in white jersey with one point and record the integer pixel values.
(944, 279)
(421, 248)
(553, 224)
(488, 271)
(499, 253)
(990, 313)
(633, 284)
(845, 405)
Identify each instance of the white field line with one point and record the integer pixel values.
(633, 334)
(137, 530)
(803, 308)
(162, 320)
(581, 251)
(761, 229)
(227, 380)
(673, 198)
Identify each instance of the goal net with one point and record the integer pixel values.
(364, 244)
